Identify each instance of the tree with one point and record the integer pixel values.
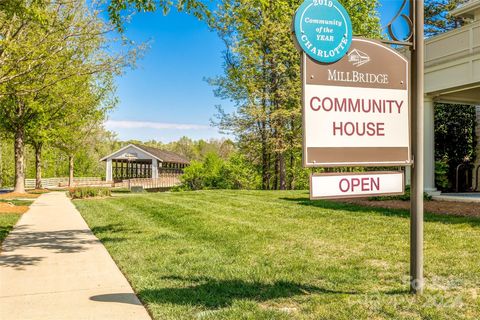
(83, 133)
(37, 135)
(120, 10)
(81, 126)
(84, 94)
(262, 76)
(66, 41)
(438, 18)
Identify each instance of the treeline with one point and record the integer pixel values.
(58, 60)
(56, 163)
(262, 76)
(57, 64)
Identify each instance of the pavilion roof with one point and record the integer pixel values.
(162, 155)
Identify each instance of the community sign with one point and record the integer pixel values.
(356, 111)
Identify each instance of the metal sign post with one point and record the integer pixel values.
(416, 42)
(416, 211)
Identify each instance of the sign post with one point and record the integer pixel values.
(416, 211)
(356, 109)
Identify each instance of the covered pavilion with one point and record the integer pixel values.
(137, 161)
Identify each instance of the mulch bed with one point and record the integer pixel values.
(6, 207)
(461, 209)
(14, 195)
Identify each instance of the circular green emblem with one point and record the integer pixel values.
(323, 30)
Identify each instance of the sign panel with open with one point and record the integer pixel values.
(356, 185)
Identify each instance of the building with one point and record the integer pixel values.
(138, 161)
(452, 75)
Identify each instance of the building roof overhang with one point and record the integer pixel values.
(467, 10)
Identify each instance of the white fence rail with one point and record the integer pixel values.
(62, 182)
(164, 181)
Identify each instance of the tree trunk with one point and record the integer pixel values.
(265, 166)
(269, 173)
(1, 164)
(70, 167)
(291, 181)
(38, 166)
(19, 147)
(263, 131)
(276, 173)
(282, 171)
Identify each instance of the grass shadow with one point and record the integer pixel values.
(214, 294)
(4, 231)
(112, 232)
(112, 227)
(403, 213)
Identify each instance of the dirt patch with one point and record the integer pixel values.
(461, 209)
(14, 195)
(6, 207)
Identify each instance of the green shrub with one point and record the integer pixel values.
(238, 173)
(216, 173)
(404, 197)
(89, 192)
(441, 174)
(193, 176)
(121, 190)
(455, 139)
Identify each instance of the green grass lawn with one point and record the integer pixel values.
(7, 221)
(277, 255)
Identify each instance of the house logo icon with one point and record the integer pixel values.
(358, 58)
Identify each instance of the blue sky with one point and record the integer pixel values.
(166, 96)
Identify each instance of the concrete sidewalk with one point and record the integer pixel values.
(53, 267)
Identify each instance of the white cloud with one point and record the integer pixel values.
(124, 124)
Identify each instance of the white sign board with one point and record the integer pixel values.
(356, 111)
(355, 185)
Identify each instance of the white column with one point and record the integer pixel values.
(154, 168)
(429, 131)
(109, 173)
(477, 133)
